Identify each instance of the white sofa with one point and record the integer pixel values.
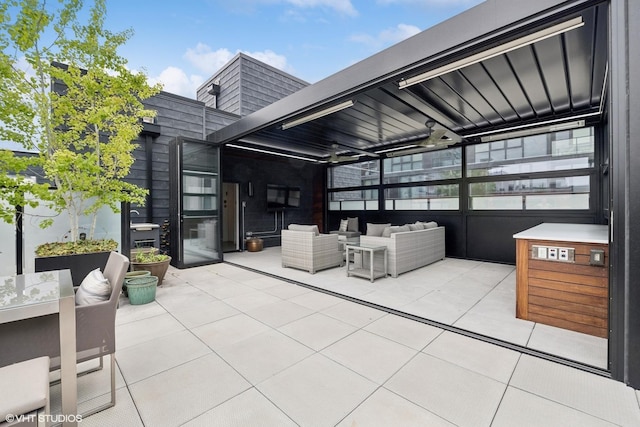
(408, 250)
(303, 247)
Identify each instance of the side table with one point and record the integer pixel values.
(368, 273)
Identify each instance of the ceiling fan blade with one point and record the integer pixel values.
(434, 139)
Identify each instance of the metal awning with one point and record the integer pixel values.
(500, 65)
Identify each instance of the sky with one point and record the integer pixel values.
(182, 43)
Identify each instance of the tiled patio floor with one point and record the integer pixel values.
(225, 346)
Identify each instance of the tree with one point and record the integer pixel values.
(66, 93)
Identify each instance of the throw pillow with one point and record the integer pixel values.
(414, 227)
(94, 288)
(376, 229)
(386, 232)
(301, 227)
(430, 224)
(343, 225)
(352, 224)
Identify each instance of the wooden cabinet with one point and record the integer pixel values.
(567, 294)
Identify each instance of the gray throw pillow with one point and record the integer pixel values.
(301, 227)
(376, 229)
(352, 224)
(430, 224)
(386, 232)
(414, 227)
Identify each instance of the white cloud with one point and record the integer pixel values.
(386, 37)
(208, 61)
(341, 6)
(176, 81)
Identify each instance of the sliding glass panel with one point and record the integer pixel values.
(354, 175)
(425, 197)
(531, 194)
(353, 200)
(428, 166)
(565, 150)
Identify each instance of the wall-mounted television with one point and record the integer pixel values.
(282, 197)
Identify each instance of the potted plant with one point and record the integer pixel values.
(152, 261)
(76, 105)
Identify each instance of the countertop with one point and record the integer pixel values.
(584, 233)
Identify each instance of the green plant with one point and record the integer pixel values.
(77, 247)
(145, 257)
(83, 128)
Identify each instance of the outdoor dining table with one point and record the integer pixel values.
(30, 295)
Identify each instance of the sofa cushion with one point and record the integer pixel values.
(386, 232)
(94, 288)
(301, 227)
(343, 225)
(352, 224)
(376, 229)
(430, 224)
(414, 227)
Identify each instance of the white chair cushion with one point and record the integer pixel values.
(94, 288)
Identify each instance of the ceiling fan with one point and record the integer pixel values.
(335, 158)
(433, 141)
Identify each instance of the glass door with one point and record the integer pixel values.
(195, 236)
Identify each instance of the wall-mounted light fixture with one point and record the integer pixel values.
(317, 114)
(527, 40)
(250, 189)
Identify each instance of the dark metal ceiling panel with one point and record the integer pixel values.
(501, 72)
(481, 80)
(463, 88)
(551, 57)
(526, 68)
(460, 104)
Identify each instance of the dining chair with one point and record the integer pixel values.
(95, 331)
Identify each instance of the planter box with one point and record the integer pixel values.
(79, 264)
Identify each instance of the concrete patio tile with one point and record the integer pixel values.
(317, 391)
(251, 300)
(124, 413)
(151, 357)
(528, 410)
(601, 397)
(229, 331)
(287, 290)
(404, 331)
(127, 313)
(317, 331)
(316, 300)
(279, 313)
(247, 409)
(203, 312)
(353, 313)
(460, 396)
(516, 331)
(264, 355)
(147, 329)
(486, 359)
(384, 408)
(565, 343)
(204, 384)
(370, 355)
